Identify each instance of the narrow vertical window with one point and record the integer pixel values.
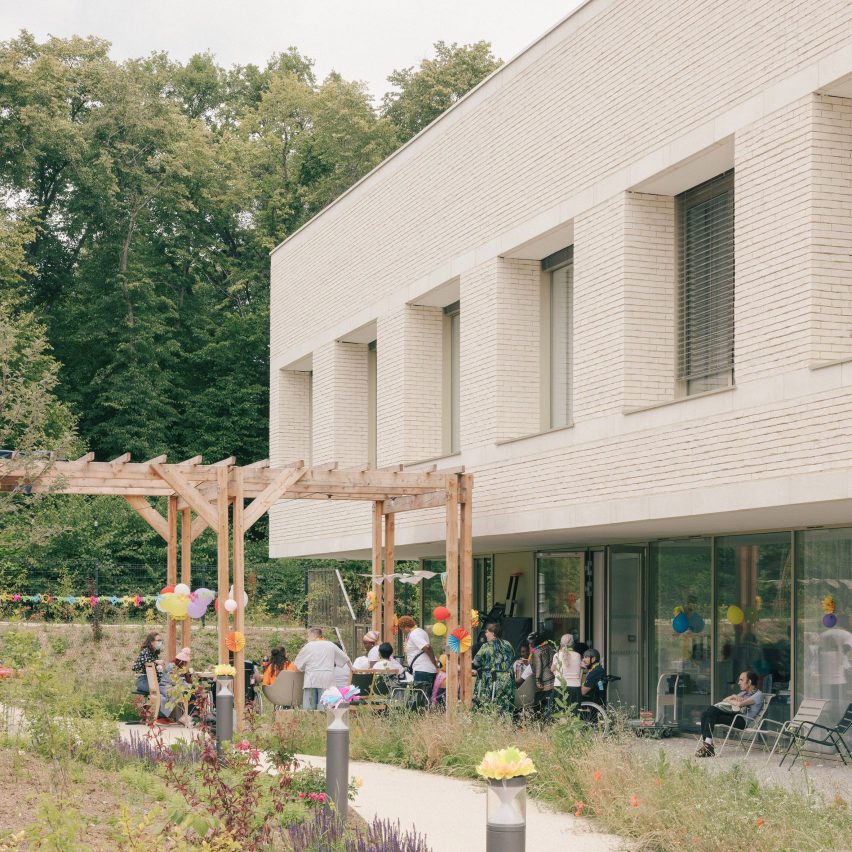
(452, 376)
(559, 268)
(706, 310)
(372, 403)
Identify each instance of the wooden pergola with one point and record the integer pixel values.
(223, 494)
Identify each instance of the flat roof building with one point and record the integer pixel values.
(615, 283)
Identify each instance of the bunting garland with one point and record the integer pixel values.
(82, 601)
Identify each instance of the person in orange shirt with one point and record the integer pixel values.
(278, 663)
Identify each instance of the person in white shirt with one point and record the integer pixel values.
(317, 660)
(371, 651)
(419, 654)
(386, 662)
(566, 667)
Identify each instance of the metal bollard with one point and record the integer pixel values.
(224, 710)
(506, 826)
(337, 760)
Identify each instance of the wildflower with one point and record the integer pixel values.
(245, 745)
(579, 810)
(760, 822)
(302, 795)
(359, 782)
(597, 776)
(657, 781)
(634, 801)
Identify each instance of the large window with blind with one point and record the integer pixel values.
(559, 269)
(706, 310)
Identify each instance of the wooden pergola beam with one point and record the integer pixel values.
(150, 514)
(119, 461)
(185, 489)
(429, 500)
(261, 504)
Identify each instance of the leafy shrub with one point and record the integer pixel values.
(19, 649)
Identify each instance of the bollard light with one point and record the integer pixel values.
(506, 772)
(224, 709)
(337, 703)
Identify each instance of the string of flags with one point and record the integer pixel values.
(80, 600)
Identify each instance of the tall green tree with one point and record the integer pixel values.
(422, 94)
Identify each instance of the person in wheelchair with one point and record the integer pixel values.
(593, 682)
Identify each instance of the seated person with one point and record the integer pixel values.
(386, 662)
(176, 686)
(593, 682)
(747, 702)
(149, 653)
(439, 690)
(278, 663)
(371, 652)
(521, 668)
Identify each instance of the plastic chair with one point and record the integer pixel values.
(285, 690)
(153, 690)
(807, 714)
(748, 727)
(824, 735)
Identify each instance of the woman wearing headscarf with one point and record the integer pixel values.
(493, 664)
(566, 667)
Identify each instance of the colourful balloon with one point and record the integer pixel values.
(441, 613)
(207, 595)
(180, 606)
(735, 614)
(696, 623)
(829, 619)
(181, 589)
(159, 603)
(439, 628)
(196, 609)
(680, 623)
(167, 590)
(245, 596)
(230, 605)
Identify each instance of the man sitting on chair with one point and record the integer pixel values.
(739, 708)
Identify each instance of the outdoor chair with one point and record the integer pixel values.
(153, 690)
(749, 728)
(376, 688)
(285, 690)
(823, 735)
(809, 711)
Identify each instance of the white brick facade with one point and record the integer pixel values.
(585, 140)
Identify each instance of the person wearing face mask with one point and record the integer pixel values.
(150, 653)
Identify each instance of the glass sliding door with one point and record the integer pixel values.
(560, 607)
(753, 609)
(680, 580)
(624, 652)
(823, 629)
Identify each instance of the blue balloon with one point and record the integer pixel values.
(680, 623)
(696, 623)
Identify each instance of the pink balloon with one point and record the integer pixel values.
(196, 609)
(230, 604)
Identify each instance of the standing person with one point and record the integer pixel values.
(149, 653)
(176, 686)
(521, 668)
(493, 664)
(566, 666)
(747, 702)
(317, 660)
(541, 659)
(419, 654)
(371, 651)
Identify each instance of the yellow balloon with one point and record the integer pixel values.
(180, 607)
(439, 628)
(735, 615)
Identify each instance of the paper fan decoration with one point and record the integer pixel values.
(459, 641)
(235, 641)
(335, 697)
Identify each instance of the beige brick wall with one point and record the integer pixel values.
(831, 259)
(618, 82)
(599, 310)
(290, 439)
(500, 351)
(650, 299)
(409, 381)
(340, 404)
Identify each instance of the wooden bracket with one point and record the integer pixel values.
(258, 507)
(184, 488)
(150, 514)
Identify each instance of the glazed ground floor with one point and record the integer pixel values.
(678, 619)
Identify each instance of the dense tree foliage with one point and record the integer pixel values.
(140, 202)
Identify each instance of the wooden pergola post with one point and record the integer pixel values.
(222, 561)
(387, 585)
(239, 585)
(452, 565)
(186, 566)
(377, 567)
(466, 575)
(171, 573)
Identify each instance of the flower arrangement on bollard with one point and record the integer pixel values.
(506, 772)
(337, 702)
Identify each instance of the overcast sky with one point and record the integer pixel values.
(361, 39)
